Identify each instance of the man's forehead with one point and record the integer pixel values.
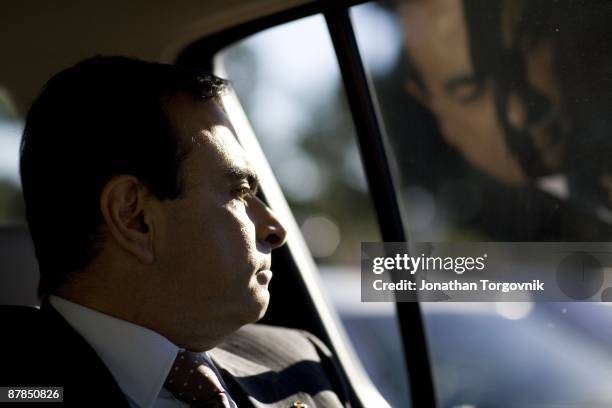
(222, 140)
(437, 40)
(432, 21)
(206, 132)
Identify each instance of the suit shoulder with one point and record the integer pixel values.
(287, 345)
(280, 364)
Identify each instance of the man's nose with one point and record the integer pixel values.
(268, 228)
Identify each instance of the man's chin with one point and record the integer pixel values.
(264, 305)
(261, 300)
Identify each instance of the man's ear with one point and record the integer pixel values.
(124, 204)
(416, 91)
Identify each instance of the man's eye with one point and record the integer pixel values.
(465, 89)
(469, 93)
(244, 193)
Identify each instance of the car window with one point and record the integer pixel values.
(11, 126)
(289, 84)
(498, 126)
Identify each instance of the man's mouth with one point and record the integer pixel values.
(264, 276)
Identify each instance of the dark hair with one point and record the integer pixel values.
(103, 117)
(580, 36)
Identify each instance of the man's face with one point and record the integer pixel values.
(438, 44)
(214, 243)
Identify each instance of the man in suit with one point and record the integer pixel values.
(153, 249)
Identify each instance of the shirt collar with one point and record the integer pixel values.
(138, 358)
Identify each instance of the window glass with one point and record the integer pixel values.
(11, 126)
(289, 84)
(498, 122)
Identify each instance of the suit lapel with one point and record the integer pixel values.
(253, 385)
(234, 370)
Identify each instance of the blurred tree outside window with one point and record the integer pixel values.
(11, 126)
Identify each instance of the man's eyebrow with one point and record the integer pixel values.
(452, 85)
(243, 173)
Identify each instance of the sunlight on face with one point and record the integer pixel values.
(212, 248)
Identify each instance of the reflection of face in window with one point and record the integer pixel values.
(438, 44)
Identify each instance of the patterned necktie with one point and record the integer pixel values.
(193, 380)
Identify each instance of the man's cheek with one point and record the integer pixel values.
(237, 228)
(450, 133)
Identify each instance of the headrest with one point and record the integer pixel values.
(18, 267)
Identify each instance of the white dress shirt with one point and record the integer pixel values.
(138, 358)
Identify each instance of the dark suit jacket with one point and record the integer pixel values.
(263, 366)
